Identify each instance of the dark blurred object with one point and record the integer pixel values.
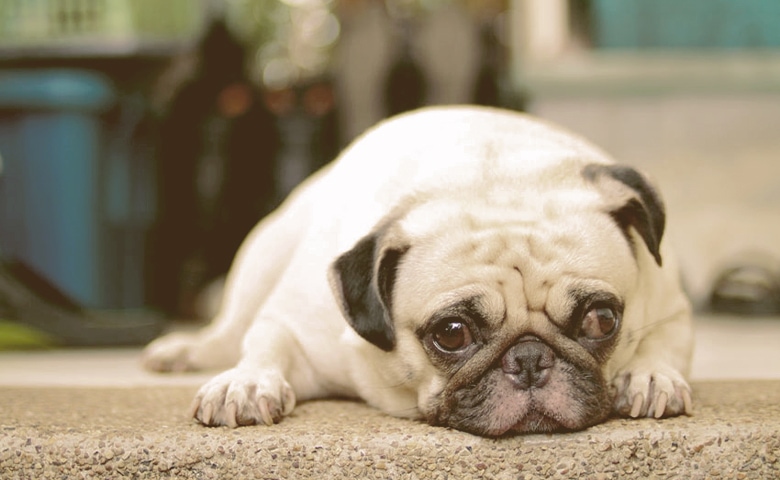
(216, 154)
(487, 89)
(490, 85)
(307, 119)
(750, 285)
(405, 85)
(29, 299)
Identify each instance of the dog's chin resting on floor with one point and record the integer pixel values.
(472, 267)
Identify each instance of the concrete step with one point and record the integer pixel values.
(143, 432)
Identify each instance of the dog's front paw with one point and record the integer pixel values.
(170, 353)
(237, 397)
(651, 392)
(185, 351)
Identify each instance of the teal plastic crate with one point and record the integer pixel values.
(66, 208)
(686, 24)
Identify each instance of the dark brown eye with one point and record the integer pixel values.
(599, 323)
(452, 335)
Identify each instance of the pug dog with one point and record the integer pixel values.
(476, 268)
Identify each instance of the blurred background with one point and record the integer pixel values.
(141, 140)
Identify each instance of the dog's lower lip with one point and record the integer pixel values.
(536, 422)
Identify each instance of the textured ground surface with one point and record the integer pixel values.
(143, 432)
(96, 414)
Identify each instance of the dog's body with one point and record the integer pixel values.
(473, 267)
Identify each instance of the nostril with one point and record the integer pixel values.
(528, 363)
(547, 358)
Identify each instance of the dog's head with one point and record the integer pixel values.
(505, 303)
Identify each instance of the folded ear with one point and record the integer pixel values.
(362, 280)
(632, 201)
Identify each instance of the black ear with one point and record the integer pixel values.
(637, 203)
(363, 280)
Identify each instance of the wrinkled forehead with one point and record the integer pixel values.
(526, 264)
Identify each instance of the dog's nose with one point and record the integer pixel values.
(528, 363)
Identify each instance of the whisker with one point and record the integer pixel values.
(634, 338)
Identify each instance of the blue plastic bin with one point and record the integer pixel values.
(60, 184)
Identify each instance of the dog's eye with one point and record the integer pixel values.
(599, 323)
(452, 335)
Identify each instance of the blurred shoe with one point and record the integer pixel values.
(749, 286)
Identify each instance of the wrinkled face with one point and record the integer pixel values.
(518, 320)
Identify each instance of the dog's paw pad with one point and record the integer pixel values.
(654, 394)
(236, 398)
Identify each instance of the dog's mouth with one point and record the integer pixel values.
(526, 413)
(532, 422)
(536, 422)
(495, 406)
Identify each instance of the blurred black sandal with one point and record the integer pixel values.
(751, 286)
